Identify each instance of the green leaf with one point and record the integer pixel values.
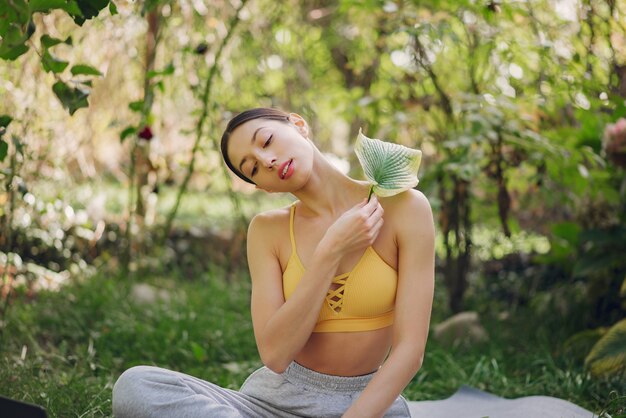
(112, 9)
(4, 149)
(15, 14)
(89, 9)
(46, 5)
(16, 28)
(391, 168)
(84, 69)
(48, 41)
(52, 64)
(131, 130)
(11, 54)
(72, 98)
(86, 83)
(5, 120)
(608, 355)
(166, 71)
(136, 106)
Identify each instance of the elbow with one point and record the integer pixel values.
(278, 368)
(274, 362)
(416, 362)
(419, 360)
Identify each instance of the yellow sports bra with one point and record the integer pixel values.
(361, 300)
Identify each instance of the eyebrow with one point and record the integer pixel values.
(252, 142)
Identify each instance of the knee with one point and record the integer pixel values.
(130, 392)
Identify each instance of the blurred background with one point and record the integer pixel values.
(122, 234)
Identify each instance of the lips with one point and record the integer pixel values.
(285, 170)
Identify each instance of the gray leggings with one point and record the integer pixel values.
(145, 391)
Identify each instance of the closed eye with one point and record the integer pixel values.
(255, 168)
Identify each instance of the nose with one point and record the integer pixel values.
(265, 158)
(269, 162)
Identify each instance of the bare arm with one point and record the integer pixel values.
(282, 328)
(413, 307)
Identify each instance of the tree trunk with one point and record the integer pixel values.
(456, 223)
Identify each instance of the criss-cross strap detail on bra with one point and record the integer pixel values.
(362, 299)
(334, 298)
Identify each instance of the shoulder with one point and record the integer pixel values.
(270, 222)
(409, 214)
(407, 205)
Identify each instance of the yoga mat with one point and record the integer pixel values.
(470, 402)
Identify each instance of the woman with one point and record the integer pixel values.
(342, 291)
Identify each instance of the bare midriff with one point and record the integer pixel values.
(346, 353)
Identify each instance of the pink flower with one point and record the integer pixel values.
(614, 142)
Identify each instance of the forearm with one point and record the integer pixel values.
(388, 383)
(292, 324)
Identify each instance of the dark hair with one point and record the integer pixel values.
(243, 117)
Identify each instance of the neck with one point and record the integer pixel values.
(329, 192)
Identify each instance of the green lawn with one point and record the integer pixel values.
(64, 350)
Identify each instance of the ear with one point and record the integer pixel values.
(300, 124)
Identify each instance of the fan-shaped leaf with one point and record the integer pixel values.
(608, 355)
(391, 168)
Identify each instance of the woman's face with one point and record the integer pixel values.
(277, 156)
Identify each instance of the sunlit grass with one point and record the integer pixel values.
(64, 350)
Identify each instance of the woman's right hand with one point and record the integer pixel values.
(357, 228)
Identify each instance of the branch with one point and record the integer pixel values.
(201, 122)
(419, 58)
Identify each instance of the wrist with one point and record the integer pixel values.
(326, 252)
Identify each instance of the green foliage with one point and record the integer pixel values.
(131, 130)
(88, 9)
(52, 64)
(136, 106)
(579, 345)
(608, 355)
(48, 41)
(4, 147)
(83, 69)
(168, 70)
(5, 120)
(73, 98)
(603, 252)
(17, 27)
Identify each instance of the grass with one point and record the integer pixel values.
(64, 350)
